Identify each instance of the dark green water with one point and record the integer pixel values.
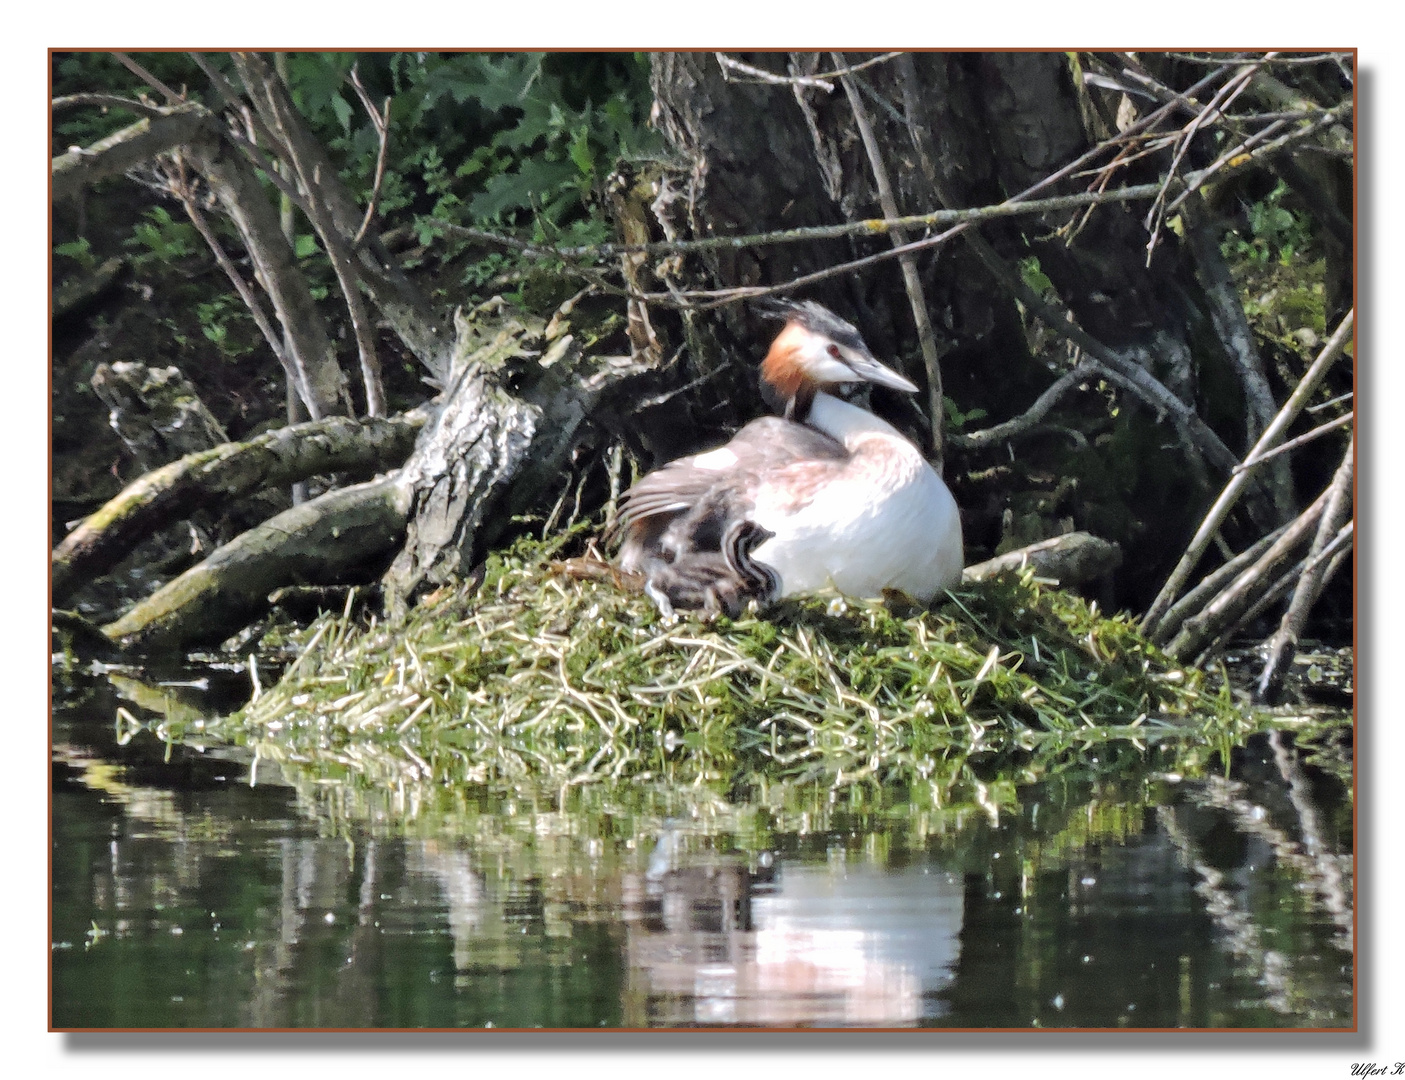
(186, 896)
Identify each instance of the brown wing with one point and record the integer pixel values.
(684, 507)
(763, 447)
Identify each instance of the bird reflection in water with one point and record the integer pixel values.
(712, 940)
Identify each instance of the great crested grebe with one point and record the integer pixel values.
(846, 499)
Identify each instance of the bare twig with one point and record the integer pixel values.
(1336, 551)
(818, 81)
(1313, 410)
(826, 153)
(762, 75)
(382, 125)
(1016, 206)
(706, 299)
(1284, 643)
(805, 234)
(1250, 150)
(1211, 584)
(109, 101)
(993, 436)
(148, 78)
(1293, 444)
(1221, 100)
(180, 187)
(1226, 608)
(1124, 371)
(1278, 60)
(1222, 506)
(931, 359)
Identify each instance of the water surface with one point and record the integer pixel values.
(193, 889)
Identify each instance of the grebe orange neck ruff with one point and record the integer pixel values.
(848, 501)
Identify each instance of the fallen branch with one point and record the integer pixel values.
(1072, 559)
(1130, 374)
(1331, 528)
(1210, 585)
(1222, 506)
(381, 122)
(992, 436)
(1252, 583)
(221, 475)
(1335, 551)
(330, 539)
(122, 150)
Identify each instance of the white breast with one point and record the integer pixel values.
(884, 520)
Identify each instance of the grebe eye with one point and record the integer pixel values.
(834, 351)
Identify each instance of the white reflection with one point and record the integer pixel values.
(828, 945)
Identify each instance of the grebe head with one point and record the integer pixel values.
(816, 350)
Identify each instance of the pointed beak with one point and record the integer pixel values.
(870, 370)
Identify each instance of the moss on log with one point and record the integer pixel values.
(330, 539)
(222, 474)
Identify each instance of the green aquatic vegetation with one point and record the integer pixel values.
(543, 678)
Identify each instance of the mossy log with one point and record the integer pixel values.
(1072, 559)
(222, 474)
(485, 451)
(329, 539)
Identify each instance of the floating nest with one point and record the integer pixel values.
(540, 675)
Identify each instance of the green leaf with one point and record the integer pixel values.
(343, 111)
(79, 250)
(581, 152)
(1034, 277)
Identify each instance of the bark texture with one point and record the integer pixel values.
(330, 539)
(156, 412)
(220, 475)
(81, 167)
